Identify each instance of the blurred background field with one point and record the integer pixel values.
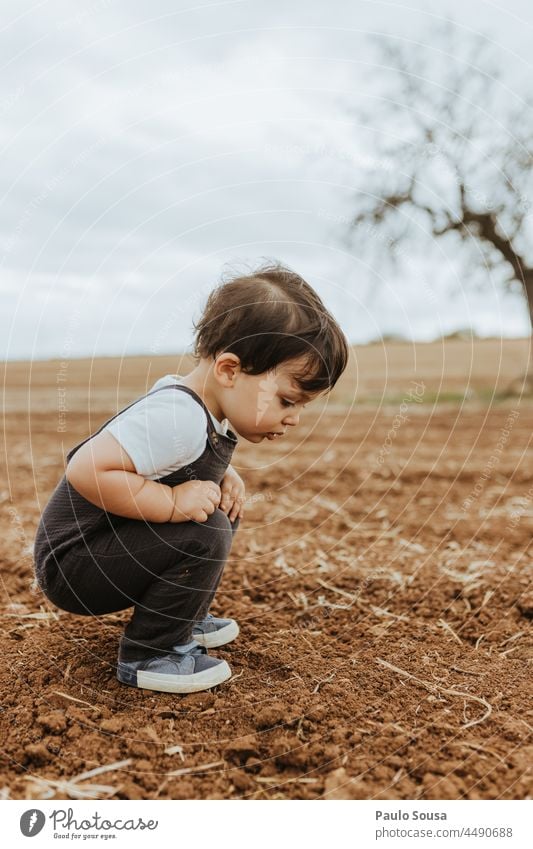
(450, 369)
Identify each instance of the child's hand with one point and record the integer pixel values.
(195, 500)
(233, 492)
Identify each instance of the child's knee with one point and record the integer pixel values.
(218, 534)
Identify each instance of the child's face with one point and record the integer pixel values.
(265, 406)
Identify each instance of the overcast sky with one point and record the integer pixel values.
(147, 145)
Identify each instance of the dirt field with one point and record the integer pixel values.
(381, 578)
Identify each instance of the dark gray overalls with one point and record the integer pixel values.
(89, 561)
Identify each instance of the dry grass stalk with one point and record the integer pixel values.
(377, 611)
(337, 590)
(173, 750)
(466, 671)
(282, 564)
(41, 615)
(268, 779)
(324, 681)
(486, 598)
(381, 611)
(332, 605)
(74, 699)
(445, 690)
(412, 546)
(71, 786)
(478, 748)
(508, 651)
(71, 789)
(450, 630)
(304, 638)
(397, 775)
(100, 769)
(235, 677)
(514, 637)
(188, 770)
(293, 598)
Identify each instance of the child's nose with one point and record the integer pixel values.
(292, 419)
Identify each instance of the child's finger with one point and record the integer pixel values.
(235, 510)
(226, 501)
(238, 507)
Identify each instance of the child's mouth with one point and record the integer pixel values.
(273, 435)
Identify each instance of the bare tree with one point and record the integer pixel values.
(454, 148)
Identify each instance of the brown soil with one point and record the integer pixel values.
(384, 596)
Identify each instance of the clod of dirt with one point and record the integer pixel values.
(339, 785)
(437, 787)
(525, 605)
(113, 725)
(74, 732)
(53, 722)
(130, 790)
(138, 749)
(242, 781)
(522, 758)
(290, 752)
(253, 765)
(199, 701)
(37, 753)
(240, 750)
(271, 715)
(317, 712)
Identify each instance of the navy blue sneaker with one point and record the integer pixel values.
(212, 632)
(187, 669)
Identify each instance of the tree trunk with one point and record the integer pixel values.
(486, 224)
(528, 291)
(523, 385)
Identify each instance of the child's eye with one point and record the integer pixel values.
(285, 403)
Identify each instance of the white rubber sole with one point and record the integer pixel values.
(218, 638)
(184, 683)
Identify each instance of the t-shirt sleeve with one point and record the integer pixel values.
(160, 431)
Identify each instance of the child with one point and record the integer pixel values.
(146, 511)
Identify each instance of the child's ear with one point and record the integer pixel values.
(226, 368)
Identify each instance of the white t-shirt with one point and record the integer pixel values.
(163, 432)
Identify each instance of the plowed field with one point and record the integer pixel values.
(381, 578)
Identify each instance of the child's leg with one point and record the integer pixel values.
(169, 572)
(166, 613)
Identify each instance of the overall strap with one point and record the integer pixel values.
(192, 393)
(212, 433)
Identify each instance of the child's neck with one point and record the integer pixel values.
(201, 381)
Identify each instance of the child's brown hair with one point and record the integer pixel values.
(269, 316)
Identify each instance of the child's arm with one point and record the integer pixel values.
(104, 474)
